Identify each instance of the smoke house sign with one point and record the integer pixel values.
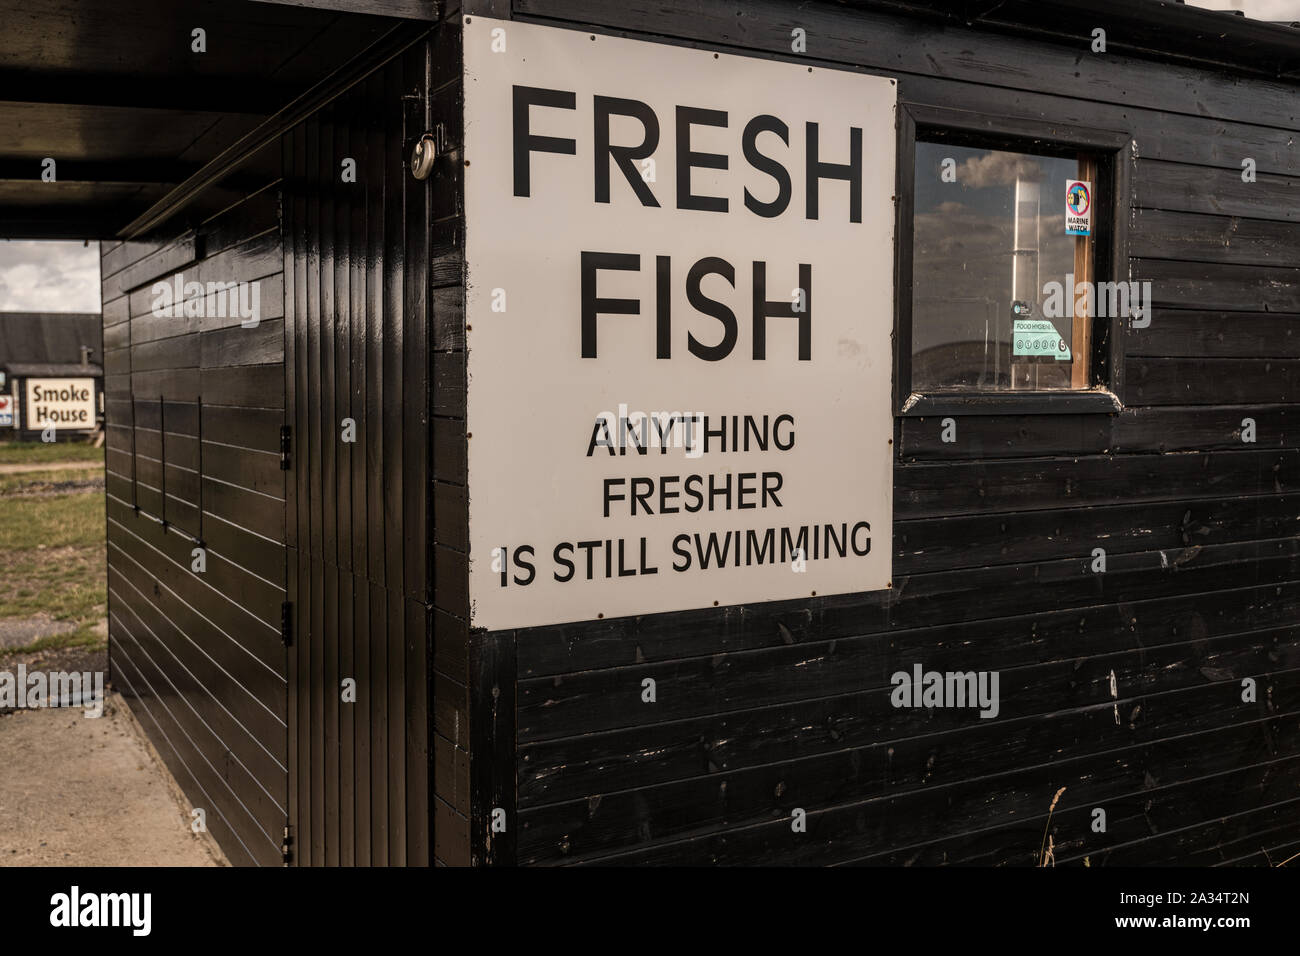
(60, 403)
(679, 316)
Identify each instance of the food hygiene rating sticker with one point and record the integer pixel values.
(1037, 337)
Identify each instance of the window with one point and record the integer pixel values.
(997, 304)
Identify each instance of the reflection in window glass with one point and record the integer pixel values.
(986, 248)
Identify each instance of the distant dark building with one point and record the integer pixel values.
(51, 373)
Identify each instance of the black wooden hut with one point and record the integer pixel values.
(1095, 508)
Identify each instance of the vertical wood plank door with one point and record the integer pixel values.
(358, 386)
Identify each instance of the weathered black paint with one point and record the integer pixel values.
(465, 669)
(199, 655)
(761, 708)
(764, 708)
(357, 257)
(329, 538)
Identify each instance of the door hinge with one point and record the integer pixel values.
(284, 447)
(286, 847)
(286, 623)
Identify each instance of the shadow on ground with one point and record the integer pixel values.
(78, 791)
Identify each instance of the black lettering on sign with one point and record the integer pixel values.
(624, 157)
(525, 142)
(688, 116)
(702, 303)
(852, 171)
(563, 549)
(782, 308)
(764, 164)
(592, 304)
(686, 158)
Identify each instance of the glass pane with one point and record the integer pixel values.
(989, 252)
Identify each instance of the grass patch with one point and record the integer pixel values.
(39, 452)
(66, 583)
(52, 560)
(60, 521)
(84, 636)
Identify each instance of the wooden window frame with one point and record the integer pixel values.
(1104, 335)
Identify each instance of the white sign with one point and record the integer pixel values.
(678, 321)
(6, 411)
(60, 402)
(1078, 207)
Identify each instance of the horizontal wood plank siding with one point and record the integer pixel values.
(193, 407)
(1124, 687)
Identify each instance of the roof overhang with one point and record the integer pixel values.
(138, 123)
(1166, 30)
(53, 370)
(116, 94)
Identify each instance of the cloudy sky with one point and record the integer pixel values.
(49, 276)
(1283, 11)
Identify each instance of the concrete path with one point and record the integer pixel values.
(78, 791)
